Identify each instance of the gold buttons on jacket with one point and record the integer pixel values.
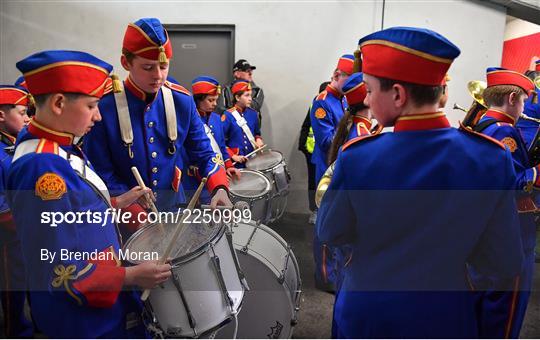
(154, 154)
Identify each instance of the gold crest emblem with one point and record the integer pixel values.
(320, 113)
(510, 143)
(50, 186)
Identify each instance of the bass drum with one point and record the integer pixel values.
(271, 305)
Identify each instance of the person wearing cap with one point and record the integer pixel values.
(242, 70)
(84, 293)
(240, 124)
(417, 204)
(205, 91)
(150, 124)
(327, 110)
(14, 103)
(505, 96)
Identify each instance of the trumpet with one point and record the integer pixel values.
(323, 185)
(457, 107)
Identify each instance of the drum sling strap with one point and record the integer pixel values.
(213, 142)
(124, 119)
(242, 123)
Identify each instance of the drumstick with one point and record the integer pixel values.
(179, 228)
(142, 185)
(253, 152)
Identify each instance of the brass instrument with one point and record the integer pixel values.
(457, 107)
(525, 117)
(323, 185)
(476, 89)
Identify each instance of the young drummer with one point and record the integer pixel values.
(150, 123)
(240, 124)
(78, 288)
(505, 96)
(205, 92)
(13, 117)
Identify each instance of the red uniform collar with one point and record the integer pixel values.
(8, 136)
(38, 130)
(360, 119)
(500, 116)
(240, 110)
(422, 121)
(333, 91)
(134, 89)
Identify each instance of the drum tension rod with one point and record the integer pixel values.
(191, 319)
(221, 280)
(281, 278)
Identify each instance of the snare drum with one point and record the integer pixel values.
(254, 188)
(205, 290)
(271, 305)
(272, 164)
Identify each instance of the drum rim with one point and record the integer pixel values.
(258, 173)
(184, 258)
(273, 165)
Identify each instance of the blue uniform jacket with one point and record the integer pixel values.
(70, 297)
(429, 200)
(6, 141)
(360, 127)
(236, 140)
(528, 128)
(160, 170)
(193, 178)
(326, 112)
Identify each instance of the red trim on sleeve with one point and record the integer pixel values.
(7, 222)
(102, 286)
(113, 202)
(228, 164)
(217, 179)
(233, 151)
(136, 210)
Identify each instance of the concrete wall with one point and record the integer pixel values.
(295, 45)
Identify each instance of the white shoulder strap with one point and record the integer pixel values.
(213, 142)
(76, 163)
(126, 131)
(170, 113)
(241, 121)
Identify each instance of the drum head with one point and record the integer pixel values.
(251, 184)
(264, 160)
(155, 238)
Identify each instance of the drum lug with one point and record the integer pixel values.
(281, 278)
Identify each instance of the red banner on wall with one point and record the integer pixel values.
(517, 53)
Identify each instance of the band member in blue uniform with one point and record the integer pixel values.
(14, 103)
(417, 204)
(205, 93)
(78, 287)
(528, 128)
(150, 123)
(327, 110)
(241, 125)
(505, 96)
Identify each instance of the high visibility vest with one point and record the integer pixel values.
(310, 141)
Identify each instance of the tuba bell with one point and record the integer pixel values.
(323, 185)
